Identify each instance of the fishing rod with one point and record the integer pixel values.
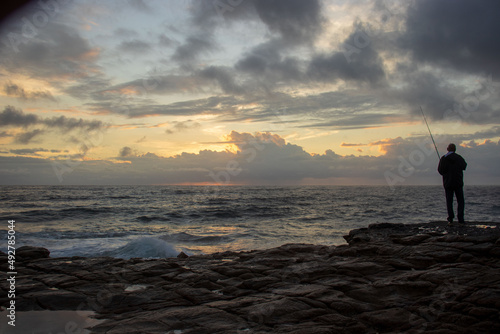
(425, 119)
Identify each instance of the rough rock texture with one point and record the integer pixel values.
(390, 278)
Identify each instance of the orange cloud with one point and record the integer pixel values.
(385, 144)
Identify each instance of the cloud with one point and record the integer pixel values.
(194, 46)
(153, 84)
(293, 21)
(165, 41)
(134, 46)
(245, 138)
(364, 65)
(265, 64)
(88, 87)
(342, 109)
(290, 24)
(460, 34)
(125, 33)
(58, 51)
(224, 77)
(261, 158)
(351, 144)
(425, 89)
(296, 21)
(141, 140)
(5, 134)
(140, 5)
(68, 124)
(11, 116)
(15, 90)
(444, 96)
(125, 152)
(33, 151)
(182, 126)
(27, 137)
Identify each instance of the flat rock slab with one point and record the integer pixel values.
(389, 278)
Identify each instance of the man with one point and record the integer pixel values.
(451, 166)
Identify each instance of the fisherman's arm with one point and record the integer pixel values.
(442, 166)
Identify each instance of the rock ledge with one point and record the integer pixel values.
(389, 278)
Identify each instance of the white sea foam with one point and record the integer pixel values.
(145, 247)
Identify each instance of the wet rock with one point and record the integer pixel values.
(58, 300)
(394, 319)
(390, 278)
(411, 240)
(182, 255)
(31, 253)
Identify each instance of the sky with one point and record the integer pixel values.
(248, 92)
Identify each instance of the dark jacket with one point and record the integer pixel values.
(452, 167)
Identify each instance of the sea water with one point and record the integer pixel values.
(161, 221)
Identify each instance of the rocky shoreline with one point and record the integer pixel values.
(389, 278)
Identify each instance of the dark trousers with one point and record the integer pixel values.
(459, 193)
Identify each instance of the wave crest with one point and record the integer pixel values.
(145, 247)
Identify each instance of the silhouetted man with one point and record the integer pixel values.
(451, 166)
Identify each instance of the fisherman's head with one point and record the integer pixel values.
(451, 148)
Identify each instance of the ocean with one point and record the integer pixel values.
(161, 221)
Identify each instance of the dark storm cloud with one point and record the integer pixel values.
(194, 46)
(265, 62)
(224, 77)
(257, 74)
(364, 65)
(207, 14)
(294, 21)
(458, 33)
(11, 116)
(441, 98)
(356, 60)
(290, 23)
(297, 21)
(427, 90)
(52, 51)
(259, 59)
(14, 90)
